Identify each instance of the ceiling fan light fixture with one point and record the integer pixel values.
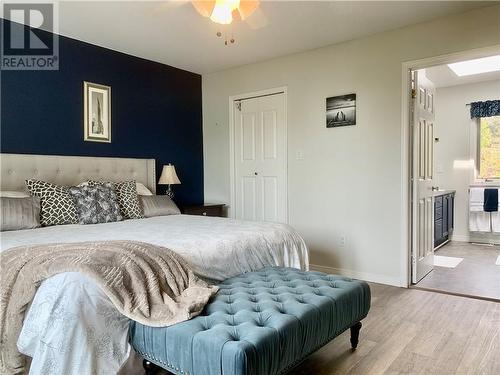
(223, 11)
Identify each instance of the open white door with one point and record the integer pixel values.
(422, 176)
(260, 158)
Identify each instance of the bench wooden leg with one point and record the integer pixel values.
(355, 335)
(150, 367)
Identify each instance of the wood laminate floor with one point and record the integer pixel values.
(477, 275)
(411, 331)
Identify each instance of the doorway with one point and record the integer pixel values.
(447, 253)
(258, 146)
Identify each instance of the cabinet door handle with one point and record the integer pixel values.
(255, 173)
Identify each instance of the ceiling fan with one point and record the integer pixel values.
(224, 12)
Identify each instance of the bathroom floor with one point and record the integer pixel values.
(477, 275)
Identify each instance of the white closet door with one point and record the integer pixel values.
(260, 159)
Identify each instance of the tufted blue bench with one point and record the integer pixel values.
(259, 323)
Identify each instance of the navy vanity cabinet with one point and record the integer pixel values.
(438, 220)
(443, 217)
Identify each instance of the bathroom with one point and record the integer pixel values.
(466, 177)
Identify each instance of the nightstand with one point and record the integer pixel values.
(207, 209)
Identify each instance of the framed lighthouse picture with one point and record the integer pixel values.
(97, 112)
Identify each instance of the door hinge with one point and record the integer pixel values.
(238, 106)
(413, 94)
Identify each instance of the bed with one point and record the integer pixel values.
(69, 314)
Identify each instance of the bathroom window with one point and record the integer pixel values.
(489, 147)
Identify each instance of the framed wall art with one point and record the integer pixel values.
(341, 111)
(97, 112)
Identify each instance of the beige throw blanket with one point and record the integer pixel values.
(146, 283)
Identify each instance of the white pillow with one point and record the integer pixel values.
(13, 194)
(142, 190)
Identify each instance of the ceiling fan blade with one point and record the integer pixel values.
(247, 7)
(204, 7)
(257, 20)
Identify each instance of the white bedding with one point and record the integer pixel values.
(72, 328)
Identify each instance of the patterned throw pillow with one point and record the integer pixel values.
(126, 194)
(96, 204)
(57, 207)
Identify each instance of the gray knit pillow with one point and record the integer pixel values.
(96, 204)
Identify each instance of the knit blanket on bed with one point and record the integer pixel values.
(146, 283)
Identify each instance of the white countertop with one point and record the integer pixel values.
(444, 192)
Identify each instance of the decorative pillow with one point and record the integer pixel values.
(127, 198)
(96, 204)
(158, 205)
(19, 213)
(142, 190)
(57, 207)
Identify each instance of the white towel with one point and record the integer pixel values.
(476, 207)
(495, 222)
(476, 195)
(479, 221)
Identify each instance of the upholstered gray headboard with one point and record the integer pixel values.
(71, 170)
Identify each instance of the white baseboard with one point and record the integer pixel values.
(477, 237)
(460, 237)
(372, 277)
(487, 238)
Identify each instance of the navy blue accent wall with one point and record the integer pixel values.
(156, 111)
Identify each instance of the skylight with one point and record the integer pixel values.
(476, 66)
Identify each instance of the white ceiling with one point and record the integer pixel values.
(442, 76)
(175, 34)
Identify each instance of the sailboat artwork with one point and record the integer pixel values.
(341, 111)
(97, 112)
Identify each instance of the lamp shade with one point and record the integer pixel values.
(168, 176)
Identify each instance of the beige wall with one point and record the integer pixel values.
(453, 127)
(350, 180)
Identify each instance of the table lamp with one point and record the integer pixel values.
(169, 177)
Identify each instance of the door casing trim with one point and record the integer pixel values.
(232, 164)
(407, 158)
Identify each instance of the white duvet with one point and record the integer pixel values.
(71, 326)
